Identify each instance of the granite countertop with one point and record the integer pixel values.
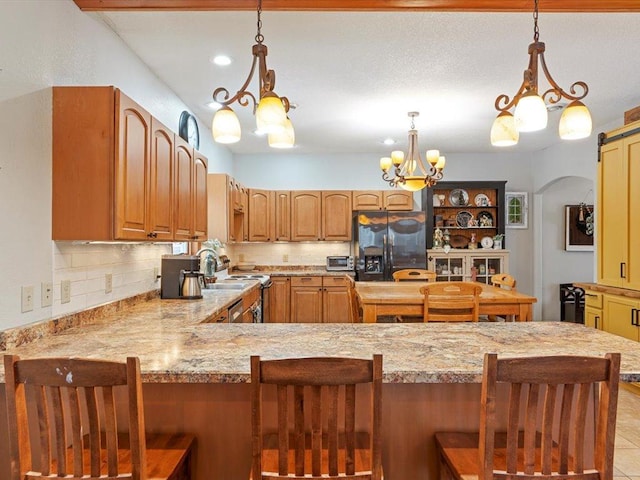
(175, 347)
(297, 271)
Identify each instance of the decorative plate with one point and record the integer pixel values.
(485, 219)
(481, 200)
(486, 242)
(463, 218)
(459, 197)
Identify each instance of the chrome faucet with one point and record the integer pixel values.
(210, 265)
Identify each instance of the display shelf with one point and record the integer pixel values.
(459, 264)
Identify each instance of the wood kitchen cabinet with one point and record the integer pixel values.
(306, 215)
(319, 299)
(306, 299)
(261, 225)
(618, 255)
(593, 309)
(336, 215)
(280, 300)
(621, 316)
(190, 205)
(115, 175)
(281, 214)
(226, 219)
(397, 200)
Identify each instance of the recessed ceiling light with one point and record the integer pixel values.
(389, 141)
(554, 107)
(214, 105)
(222, 60)
(259, 133)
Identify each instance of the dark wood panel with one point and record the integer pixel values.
(364, 5)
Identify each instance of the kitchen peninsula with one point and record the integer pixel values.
(196, 374)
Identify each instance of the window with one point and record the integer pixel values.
(516, 209)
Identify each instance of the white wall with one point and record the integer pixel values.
(48, 43)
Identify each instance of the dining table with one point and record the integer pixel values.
(404, 299)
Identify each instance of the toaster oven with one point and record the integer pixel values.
(340, 262)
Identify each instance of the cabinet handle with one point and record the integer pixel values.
(596, 318)
(634, 317)
(590, 294)
(623, 270)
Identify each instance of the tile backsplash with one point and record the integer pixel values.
(131, 266)
(283, 254)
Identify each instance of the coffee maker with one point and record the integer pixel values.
(173, 268)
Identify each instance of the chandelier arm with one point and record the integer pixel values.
(225, 101)
(508, 103)
(556, 93)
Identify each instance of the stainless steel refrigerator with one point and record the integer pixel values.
(388, 241)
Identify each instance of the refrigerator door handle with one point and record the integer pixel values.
(390, 254)
(385, 257)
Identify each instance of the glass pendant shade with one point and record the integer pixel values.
(503, 131)
(575, 122)
(397, 157)
(531, 113)
(441, 162)
(225, 126)
(385, 163)
(271, 116)
(413, 184)
(285, 138)
(432, 156)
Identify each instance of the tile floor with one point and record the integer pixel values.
(627, 453)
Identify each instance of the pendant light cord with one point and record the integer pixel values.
(536, 31)
(259, 37)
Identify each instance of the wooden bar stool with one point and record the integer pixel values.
(316, 435)
(70, 405)
(546, 417)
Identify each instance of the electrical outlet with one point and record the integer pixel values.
(156, 274)
(27, 298)
(241, 257)
(108, 282)
(46, 292)
(65, 291)
(285, 258)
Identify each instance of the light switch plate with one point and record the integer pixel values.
(108, 283)
(65, 291)
(27, 298)
(46, 292)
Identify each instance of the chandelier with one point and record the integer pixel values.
(409, 171)
(270, 109)
(530, 108)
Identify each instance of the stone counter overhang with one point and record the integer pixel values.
(175, 347)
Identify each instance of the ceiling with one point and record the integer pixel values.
(354, 75)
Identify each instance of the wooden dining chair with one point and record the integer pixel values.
(506, 281)
(550, 402)
(64, 423)
(316, 419)
(414, 274)
(451, 301)
(354, 301)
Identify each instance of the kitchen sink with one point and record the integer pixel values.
(226, 286)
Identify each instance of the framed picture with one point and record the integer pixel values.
(516, 209)
(578, 222)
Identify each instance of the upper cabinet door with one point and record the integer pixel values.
(397, 200)
(131, 169)
(160, 198)
(367, 200)
(306, 215)
(199, 192)
(282, 214)
(336, 215)
(183, 206)
(260, 222)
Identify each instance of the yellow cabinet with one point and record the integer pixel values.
(618, 249)
(593, 309)
(621, 316)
